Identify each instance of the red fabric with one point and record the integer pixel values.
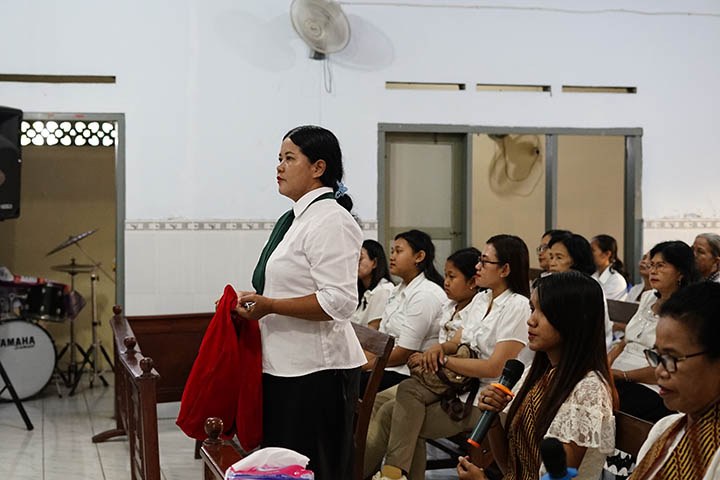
(226, 378)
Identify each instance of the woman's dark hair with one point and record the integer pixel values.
(573, 304)
(698, 307)
(579, 250)
(606, 243)
(318, 143)
(421, 241)
(375, 252)
(465, 260)
(513, 251)
(681, 256)
(556, 232)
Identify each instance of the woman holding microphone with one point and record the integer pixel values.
(305, 293)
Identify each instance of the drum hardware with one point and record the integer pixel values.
(75, 240)
(73, 268)
(13, 394)
(27, 353)
(46, 303)
(96, 348)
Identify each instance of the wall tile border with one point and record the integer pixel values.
(682, 223)
(211, 225)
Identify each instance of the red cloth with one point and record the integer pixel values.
(226, 378)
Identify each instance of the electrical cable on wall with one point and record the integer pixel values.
(534, 9)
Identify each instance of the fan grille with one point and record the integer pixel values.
(321, 24)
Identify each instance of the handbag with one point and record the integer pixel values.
(449, 385)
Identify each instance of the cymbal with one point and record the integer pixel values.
(73, 268)
(71, 240)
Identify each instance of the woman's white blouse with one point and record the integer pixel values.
(713, 470)
(373, 303)
(318, 255)
(451, 322)
(634, 293)
(412, 316)
(639, 335)
(507, 321)
(613, 284)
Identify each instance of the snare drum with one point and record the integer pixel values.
(28, 354)
(46, 302)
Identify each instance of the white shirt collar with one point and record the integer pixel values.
(304, 202)
(407, 288)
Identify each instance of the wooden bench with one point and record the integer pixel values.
(218, 455)
(135, 401)
(630, 433)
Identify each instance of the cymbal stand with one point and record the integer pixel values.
(72, 344)
(96, 348)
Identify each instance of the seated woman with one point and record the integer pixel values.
(707, 256)
(413, 311)
(567, 393)
(495, 330)
(638, 289)
(610, 272)
(460, 289)
(374, 285)
(672, 266)
(686, 362)
(573, 252)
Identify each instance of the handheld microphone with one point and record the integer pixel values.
(511, 374)
(555, 460)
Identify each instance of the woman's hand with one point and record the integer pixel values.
(467, 471)
(257, 306)
(493, 399)
(431, 360)
(414, 360)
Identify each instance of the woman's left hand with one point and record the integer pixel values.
(467, 471)
(258, 308)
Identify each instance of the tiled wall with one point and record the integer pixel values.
(183, 267)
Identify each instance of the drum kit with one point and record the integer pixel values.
(28, 355)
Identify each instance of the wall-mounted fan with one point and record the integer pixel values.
(321, 24)
(517, 165)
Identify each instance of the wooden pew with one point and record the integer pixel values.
(630, 433)
(135, 401)
(218, 455)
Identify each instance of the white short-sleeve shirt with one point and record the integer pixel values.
(412, 316)
(373, 303)
(713, 470)
(451, 321)
(507, 321)
(613, 284)
(639, 335)
(318, 255)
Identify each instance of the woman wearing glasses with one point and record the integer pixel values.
(495, 328)
(672, 266)
(686, 363)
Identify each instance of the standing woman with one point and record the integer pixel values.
(374, 285)
(610, 272)
(412, 314)
(567, 393)
(306, 292)
(707, 256)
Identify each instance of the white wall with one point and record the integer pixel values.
(209, 88)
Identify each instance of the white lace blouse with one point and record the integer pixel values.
(586, 419)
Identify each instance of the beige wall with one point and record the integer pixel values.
(501, 207)
(591, 173)
(65, 191)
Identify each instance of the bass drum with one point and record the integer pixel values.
(28, 354)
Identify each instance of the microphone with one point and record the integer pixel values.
(553, 456)
(510, 375)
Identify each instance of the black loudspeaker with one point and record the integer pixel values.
(10, 162)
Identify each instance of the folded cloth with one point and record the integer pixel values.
(272, 463)
(226, 378)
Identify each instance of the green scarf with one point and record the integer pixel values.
(278, 233)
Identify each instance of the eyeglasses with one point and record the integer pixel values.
(541, 248)
(484, 262)
(656, 266)
(669, 362)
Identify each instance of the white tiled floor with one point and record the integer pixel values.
(60, 445)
